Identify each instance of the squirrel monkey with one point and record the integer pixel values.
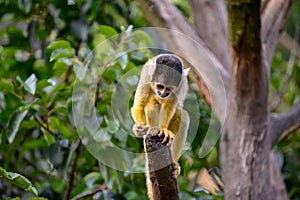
(158, 102)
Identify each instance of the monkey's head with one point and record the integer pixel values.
(167, 73)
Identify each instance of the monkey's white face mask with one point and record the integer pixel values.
(164, 79)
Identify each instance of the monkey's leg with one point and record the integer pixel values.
(179, 126)
(166, 114)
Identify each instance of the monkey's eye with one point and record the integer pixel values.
(160, 86)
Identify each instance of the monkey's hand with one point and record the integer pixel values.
(177, 169)
(168, 136)
(140, 129)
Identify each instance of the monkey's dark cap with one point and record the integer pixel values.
(168, 70)
(170, 60)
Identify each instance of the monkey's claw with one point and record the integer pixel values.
(140, 129)
(176, 171)
(168, 136)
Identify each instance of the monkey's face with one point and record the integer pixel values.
(161, 90)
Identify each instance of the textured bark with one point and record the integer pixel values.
(211, 24)
(276, 180)
(285, 123)
(244, 143)
(160, 183)
(273, 18)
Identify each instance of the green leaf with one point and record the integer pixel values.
(19, 180)
(6, 85)
(34, 144)
(48, 137)
(120, 180)
(112, 125)
(142, 37)
(30, 84)
(14, 124)
(123, 60)
(61, 53)
(61, 66)
(108, 31)
(25, 5)
(58, 44)
(80, 71)
(91, 178)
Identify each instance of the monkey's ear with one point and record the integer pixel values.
(186, 71)
(151, 66)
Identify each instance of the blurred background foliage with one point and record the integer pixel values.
(43, 47)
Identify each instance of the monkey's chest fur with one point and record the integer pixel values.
(156, 109)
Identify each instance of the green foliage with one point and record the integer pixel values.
(43, 46)
(48, 46)
(18, 180)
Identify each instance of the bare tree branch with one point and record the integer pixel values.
(289, 43)
(284, 123)
(211, 23)
(164, 14)
(72, 173)
(274, 15)
(288, 75)
(90, 193)
(202, 88)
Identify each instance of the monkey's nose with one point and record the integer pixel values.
(163, 94)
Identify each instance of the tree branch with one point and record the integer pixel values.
(164, 14)
(211, 24)
(289, 43)
(202, 88)
(285, 123)
(72, 173)
(38, 120)
(160, 167)
(288, 75)
(90, 193)
(274, 15)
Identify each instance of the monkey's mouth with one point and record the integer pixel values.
(163, 95)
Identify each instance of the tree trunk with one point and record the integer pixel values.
(245, 146)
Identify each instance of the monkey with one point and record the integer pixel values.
(158, 102)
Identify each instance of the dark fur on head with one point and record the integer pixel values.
(170, 60)
(168, 70)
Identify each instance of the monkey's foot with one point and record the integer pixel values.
(168, 136)
(140, 129)
(176, 171)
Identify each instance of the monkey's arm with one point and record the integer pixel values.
(140, 100)
(138, 114)
(138, 111)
